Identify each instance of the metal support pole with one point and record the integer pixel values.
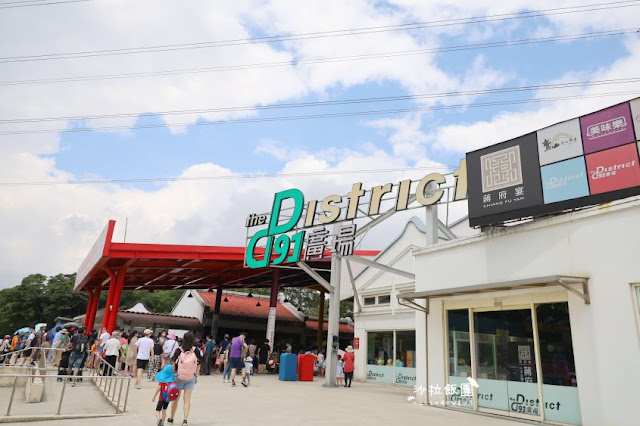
(273, 303)
(334, 322)
(119, 395)
(215, 318)
(126, 396)
(356, 297)
(320, 335)
(64, 386)
(13, 392)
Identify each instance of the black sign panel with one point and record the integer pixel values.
(504, 178)
(580, 162)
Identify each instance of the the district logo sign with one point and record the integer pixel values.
(613, 169)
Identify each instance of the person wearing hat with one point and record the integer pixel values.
(349, 360)
(164, 378)
(61, 346)
(168, 349)
(145, 354)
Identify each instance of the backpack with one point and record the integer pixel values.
(187, 363)
(80, 344)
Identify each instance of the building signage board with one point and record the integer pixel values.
(565, 180)
(580, 162)
(635, 115)
(500, 179)
(559, 142)
(613, 169)
(608, 128)
(295, 229)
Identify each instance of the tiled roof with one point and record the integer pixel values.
(313, 324)
(243, 306)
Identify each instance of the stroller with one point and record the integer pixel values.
(64, 365)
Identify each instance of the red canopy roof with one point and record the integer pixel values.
(313, 324)
(168, 266)
(243, 306)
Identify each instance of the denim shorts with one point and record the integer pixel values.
(75, 359)
(186, 384)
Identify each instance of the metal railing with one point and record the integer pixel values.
(105, 382)
(105, 377)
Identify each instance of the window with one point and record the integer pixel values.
(369, 301)
(377, 300)
(391, 357)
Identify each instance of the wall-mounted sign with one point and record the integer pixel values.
(502, 179)
(294, 223)
(635, 116)
(580, 162)
(613, 169)
(608, 128)
(565, 180)
(559, 142)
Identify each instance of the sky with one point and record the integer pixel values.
(181, 118)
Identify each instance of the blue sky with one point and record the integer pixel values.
(212, 211)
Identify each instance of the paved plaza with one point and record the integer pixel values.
(272, 402)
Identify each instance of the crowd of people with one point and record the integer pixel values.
(163, 358)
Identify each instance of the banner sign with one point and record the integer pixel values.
(580, 162)
(293, 223)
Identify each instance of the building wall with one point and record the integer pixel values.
(189, 306)
(373, 282)
(602, 244)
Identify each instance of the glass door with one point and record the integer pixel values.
(505, 362)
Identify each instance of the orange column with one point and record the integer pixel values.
(115, 302)
(89, 306)
(107, 308)
(94, 309)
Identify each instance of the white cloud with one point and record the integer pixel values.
(50, 228)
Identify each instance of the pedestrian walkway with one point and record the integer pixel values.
(272, 402)
(75, 402)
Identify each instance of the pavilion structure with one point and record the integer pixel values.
(114, 267)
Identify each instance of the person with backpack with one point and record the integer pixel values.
(185, 361)
(78, 346)
(168, 349)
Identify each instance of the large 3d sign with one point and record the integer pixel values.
(282, 238)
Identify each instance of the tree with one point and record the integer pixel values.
(60, 300)
(309, 301)
(39, 299)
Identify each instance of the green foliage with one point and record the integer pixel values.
(309, 301)
(160, 302)
(41, 299)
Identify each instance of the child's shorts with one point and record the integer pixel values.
(162, 405)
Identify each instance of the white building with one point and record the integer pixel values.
(543, 315)
(385, 329)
